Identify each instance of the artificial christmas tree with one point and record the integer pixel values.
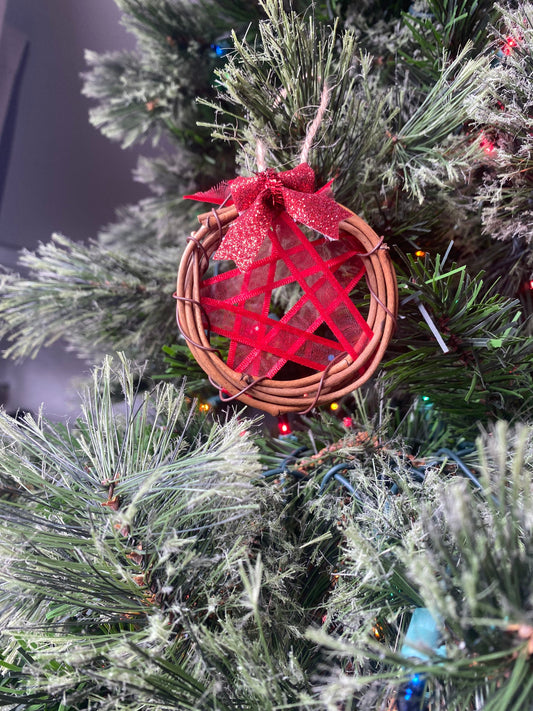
(380, 556)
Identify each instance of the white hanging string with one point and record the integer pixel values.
(313, 128)
(260, 155)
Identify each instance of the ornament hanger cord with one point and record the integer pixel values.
(313, 128)
(260, 153)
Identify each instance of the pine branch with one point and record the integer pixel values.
(141, 569)
(504, 126)
(424, 148)
(125, 541)
(275, 87)
(95, 298)
(467, 551)
(108, 520)
(152, 91)
(445, 27)
(486, 373)
(366, 136)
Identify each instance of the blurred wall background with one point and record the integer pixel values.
(57, 173)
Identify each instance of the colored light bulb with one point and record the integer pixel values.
(486, 144)
(284, 427)
(510, 44)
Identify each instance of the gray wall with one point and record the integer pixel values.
(63, 175)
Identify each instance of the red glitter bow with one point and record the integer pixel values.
(261, 198)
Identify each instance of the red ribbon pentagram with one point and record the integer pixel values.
(239, 304)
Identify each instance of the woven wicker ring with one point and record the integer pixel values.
(276, 397)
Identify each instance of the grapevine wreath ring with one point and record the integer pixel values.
(341, 376)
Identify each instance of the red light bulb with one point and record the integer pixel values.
(486, 144)
(284, 427)
(510, 44)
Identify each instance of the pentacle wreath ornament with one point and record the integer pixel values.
(258, 226)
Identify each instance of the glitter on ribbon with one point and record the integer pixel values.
(262, 198)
